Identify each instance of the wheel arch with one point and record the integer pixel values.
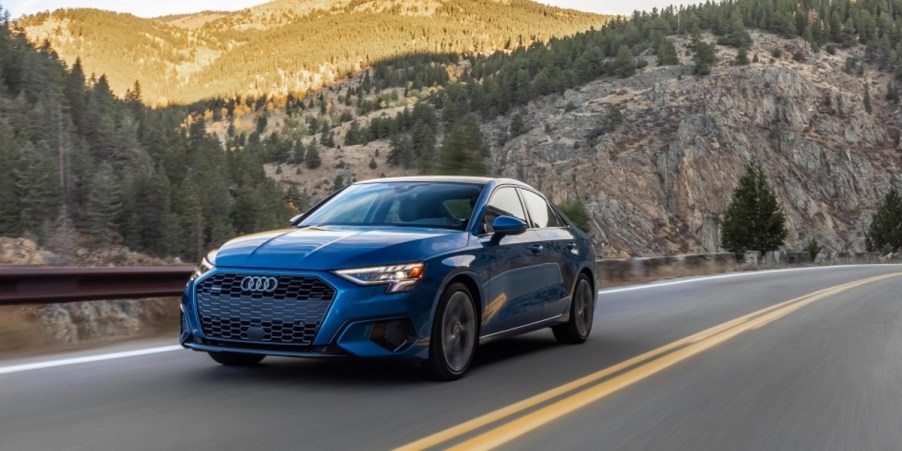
(592, 280)
(468, 281)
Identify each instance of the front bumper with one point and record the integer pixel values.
(362, 321)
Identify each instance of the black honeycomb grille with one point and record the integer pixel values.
(291, 314)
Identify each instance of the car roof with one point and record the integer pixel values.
(448, 179)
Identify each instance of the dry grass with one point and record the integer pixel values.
(22, 333)
(19, 332)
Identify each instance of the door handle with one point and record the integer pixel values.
(536, 248)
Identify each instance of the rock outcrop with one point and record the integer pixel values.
(658, 180)
(81, 321)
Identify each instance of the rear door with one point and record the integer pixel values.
(558, 247)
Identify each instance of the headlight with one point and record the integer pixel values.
(398, 277)
(206, 265)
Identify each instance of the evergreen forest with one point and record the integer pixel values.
(81, 167)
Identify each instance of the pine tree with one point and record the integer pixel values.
(36, 187)
(9, 200)
(74, 89)
(248, 206)
(423, 140)
(103, 205)
(624, 63)
(353, 136)
(327, 139)
(463, 152)
(705, 57)
(667, 54)
(193, 228)
(754, 220)
(218, 205)
(885, 232)
(312, 158)
(401, 153)
(133, 94)
(737, 35)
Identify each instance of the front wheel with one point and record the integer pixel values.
(453, 340)
(582, 311)
(236, 358)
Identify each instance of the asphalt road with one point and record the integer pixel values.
(822, 372)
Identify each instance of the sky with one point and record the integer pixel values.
(156, 8)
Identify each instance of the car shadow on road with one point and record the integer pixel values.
(349, 371)
(512, 348)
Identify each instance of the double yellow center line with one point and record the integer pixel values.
(630, 371)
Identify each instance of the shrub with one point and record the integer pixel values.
(813, 248)
(576, 213)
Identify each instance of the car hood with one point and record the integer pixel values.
(331, 248)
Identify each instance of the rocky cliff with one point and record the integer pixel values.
(658, 180)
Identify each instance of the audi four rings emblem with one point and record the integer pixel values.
(259, 284)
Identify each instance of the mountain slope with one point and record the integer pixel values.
(286, 46)
(654, 157)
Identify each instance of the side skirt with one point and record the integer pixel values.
(520, 329)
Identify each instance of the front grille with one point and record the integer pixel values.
(290, 314)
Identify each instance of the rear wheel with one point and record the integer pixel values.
(236, 358)
(453, 340)
(582, 311)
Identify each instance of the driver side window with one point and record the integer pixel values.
(504, 202)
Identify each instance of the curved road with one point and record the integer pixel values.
(822, 371)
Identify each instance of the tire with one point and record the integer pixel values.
(582, 311)
(454, 334)
(236, 358)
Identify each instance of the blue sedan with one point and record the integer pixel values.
(421, 268)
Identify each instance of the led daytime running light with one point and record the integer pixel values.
(399, 277)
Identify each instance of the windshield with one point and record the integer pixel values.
(405, 204)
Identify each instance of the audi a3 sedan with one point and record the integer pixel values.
(420, 268)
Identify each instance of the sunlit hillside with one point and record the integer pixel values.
(286, 46)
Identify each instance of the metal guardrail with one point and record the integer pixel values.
(43, 285)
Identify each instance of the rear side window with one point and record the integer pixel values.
(542, 215)
(504, 202)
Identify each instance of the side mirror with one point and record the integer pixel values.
(508, 225)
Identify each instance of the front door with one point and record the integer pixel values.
(517, 269)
